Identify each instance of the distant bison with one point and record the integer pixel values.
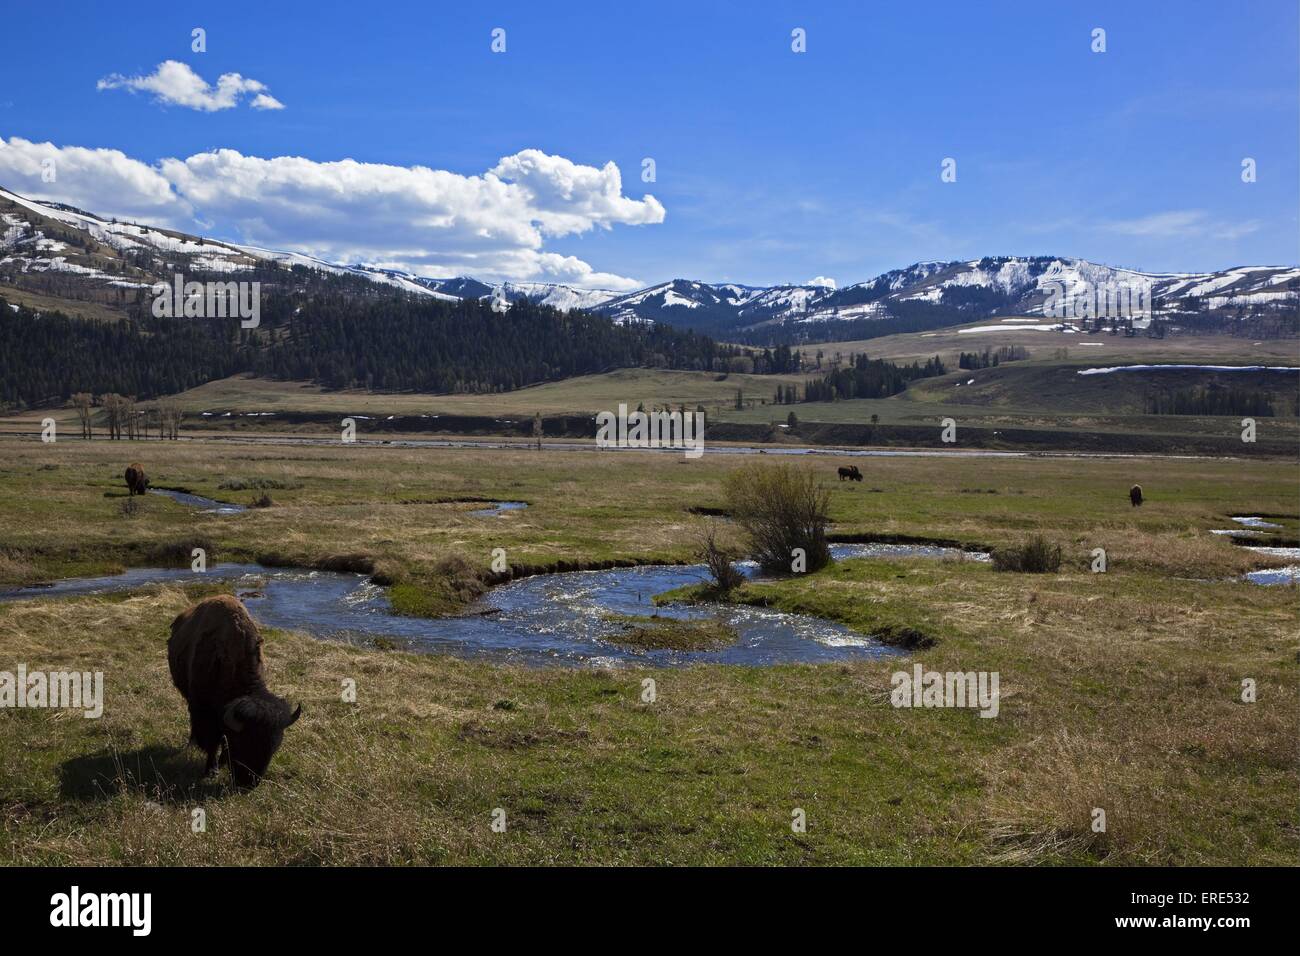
(215, 657)
(1135, 496)
(850, 473)
(136, 481)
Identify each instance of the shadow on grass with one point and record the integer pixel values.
(164, 774)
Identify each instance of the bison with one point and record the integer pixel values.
(215, 658)
(850, 473)
(1135, 496)
(136, 481)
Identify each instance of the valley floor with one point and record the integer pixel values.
(1120, 691)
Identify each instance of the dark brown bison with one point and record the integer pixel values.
(215, 657)
(850, 473)
(1135, 496)
(136, 481)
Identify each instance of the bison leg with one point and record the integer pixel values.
(218, 756)
(206, 733)
(210, 768)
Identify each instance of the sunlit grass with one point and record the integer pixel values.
(1120, 691)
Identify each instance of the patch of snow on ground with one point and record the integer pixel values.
(1210, 368)
(671, 298)
(1021, 328)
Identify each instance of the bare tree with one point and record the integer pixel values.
(83, 402)
(717, 558)
(130, 418)
(114, 407)
(169, 419)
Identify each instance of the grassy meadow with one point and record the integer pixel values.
(582, 394)
(1119, 690)
(1032, 400)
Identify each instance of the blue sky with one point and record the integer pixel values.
(771, 166)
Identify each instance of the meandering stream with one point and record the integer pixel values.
(198, 502)
(557, 619)
(565, 619)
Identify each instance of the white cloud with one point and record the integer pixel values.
(1228, 230)
(265, 101)
(103, 181)
(826, 282)
(428, 221)
(571, 198)
(1182, 224)
(175, 82)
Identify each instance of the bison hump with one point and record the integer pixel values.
(215, 651)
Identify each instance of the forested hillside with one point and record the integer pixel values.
(394, 342)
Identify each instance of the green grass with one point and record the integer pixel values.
(584, 394)
(1043, 394)
(1047, 396)
(1101, 349)
(652, 632)
(1119, 690)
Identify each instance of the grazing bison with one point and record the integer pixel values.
(850, 473)
(215, 657)
(1135, 496)
(136, 482)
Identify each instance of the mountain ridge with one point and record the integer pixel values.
(53, 248)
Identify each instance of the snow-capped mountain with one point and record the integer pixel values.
(43, 242)
(57, 251)
(1012, 285)
(556, 296)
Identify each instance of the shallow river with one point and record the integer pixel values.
(545, 619)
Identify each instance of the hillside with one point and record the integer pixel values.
(51, 253)
(326, 336)
(580, 395)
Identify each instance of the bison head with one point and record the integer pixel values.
(255, 727)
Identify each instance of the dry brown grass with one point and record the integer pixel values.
(1118, 690)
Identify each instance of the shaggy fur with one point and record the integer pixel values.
(136, 481)
(215, 658)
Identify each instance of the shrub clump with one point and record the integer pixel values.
(179, 552)
(718, 559)
(447, 588)
(781, 508)
(1037, 556)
